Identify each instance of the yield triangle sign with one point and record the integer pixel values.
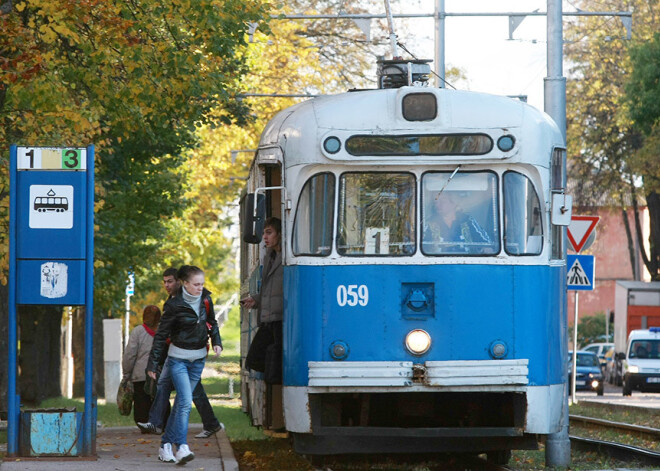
(580, 229)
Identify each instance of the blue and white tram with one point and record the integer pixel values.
(397, 339)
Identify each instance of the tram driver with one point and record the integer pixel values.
(448, 229)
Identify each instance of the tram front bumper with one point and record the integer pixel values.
(462, 374)
(432, 384)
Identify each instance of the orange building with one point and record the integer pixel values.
(612, 258)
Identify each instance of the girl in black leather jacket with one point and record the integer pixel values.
(188, 321)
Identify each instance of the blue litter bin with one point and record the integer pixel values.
(50, 432)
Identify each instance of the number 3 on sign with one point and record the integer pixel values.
(352, 295)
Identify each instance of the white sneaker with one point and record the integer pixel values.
(165, 453)
(209, 433)
(183, 455)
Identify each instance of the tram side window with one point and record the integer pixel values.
(312, 229)
(523, 227)
(376, 214)
(460, 213)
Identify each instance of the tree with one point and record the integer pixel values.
(591, 329)
(604, 143)
(136, 79)
(643, 97)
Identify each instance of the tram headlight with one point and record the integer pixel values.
(418, 341)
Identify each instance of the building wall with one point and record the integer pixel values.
(612, 259)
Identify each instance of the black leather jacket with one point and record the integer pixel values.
(184, 329)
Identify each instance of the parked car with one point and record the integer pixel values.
(588, 373)
(601, 350)
(612, 368)
(641, 365)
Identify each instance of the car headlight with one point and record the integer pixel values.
(594, 384)
(418, 341)
(633, 369)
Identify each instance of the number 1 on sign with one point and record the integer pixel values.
(30, 154)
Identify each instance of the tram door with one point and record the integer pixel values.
(261, 400)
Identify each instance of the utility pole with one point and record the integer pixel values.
(558, 445)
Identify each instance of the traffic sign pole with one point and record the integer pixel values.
(580, 276)
(574, 359)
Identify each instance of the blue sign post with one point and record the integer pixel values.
(51, 254)
(580, 274)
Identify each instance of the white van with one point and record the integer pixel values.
(641, 367)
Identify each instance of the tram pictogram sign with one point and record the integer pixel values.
(579, 230)
(51, 207)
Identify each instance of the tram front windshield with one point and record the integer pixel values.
(459, 213)
(376, 214)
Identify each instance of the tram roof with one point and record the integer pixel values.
(378, 112)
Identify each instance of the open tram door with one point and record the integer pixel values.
(262, 199)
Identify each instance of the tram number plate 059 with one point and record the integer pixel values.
(352, 295)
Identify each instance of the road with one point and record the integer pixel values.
(613, 395)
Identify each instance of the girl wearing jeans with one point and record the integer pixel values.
(187, 325)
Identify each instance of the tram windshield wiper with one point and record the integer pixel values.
(447, 182)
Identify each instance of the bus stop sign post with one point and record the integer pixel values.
(580, 275)
(51, 254)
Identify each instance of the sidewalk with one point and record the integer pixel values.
(126, 449)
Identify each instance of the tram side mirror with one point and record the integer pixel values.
(562, 208)
(253, 226)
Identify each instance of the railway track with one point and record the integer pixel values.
(654, 432)
(618, 451)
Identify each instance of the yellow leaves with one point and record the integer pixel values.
(66, 32)
(47, 34)
(21, 6)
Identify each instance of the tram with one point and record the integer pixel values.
(398, 337)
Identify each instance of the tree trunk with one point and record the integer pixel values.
(79, 355)
(653, 202)
(631, 243)
(40, 330)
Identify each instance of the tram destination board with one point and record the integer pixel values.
(50, 158)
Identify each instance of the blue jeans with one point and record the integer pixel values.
(159, 408)
(161, 402)
(185, 375)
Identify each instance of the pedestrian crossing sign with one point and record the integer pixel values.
(580, 273)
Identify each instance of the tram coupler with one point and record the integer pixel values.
(419, 373)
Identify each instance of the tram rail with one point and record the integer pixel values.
(619, 451)
(616, 425)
